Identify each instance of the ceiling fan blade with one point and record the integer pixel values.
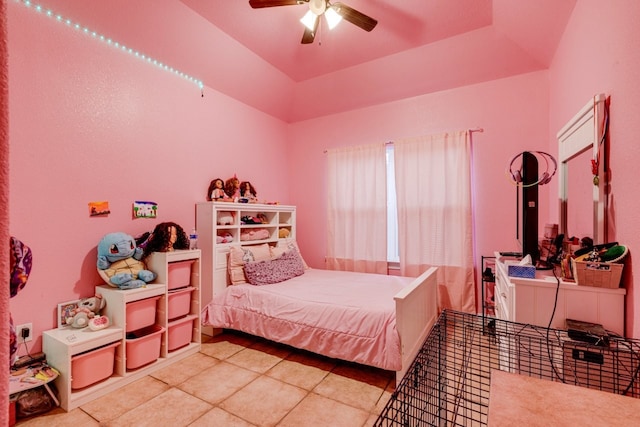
(357, 18)
(258, 4)
(309, 35)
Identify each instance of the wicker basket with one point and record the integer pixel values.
(597, 274)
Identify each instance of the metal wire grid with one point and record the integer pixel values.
(448, 383)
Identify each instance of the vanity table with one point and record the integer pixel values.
(532, 301)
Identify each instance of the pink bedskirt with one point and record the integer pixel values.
(344, 315)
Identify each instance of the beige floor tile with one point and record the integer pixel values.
(317, 410)
(367, 374)
(382, 402)
(254, 360)
(220, 417)
(349, 390)
(218, 382)
(226, 345)
(302, 369)
(270, 347)
(58, 417)
(173, 408)
(124, 399)
(371, 420)
(184, 369)
(264, 402)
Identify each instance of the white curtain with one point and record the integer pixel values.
(357, 209)
(433, 188)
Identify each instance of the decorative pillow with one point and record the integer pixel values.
(284, 245)
(286, 266)
(239, 256)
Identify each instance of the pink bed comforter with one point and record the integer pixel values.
(345, 315)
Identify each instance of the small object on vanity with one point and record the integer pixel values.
(524, 269)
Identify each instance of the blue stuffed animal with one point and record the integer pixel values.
(119, 262)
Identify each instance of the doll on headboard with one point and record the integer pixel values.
(248, 192)
(216, 192)
(166, 237)
(232, 188)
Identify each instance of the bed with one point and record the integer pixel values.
(371, 319)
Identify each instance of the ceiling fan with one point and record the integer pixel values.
(333, 13)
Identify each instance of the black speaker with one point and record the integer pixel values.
(529, 208)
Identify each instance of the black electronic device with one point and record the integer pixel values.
(33, 359)
(592, 333)
(527, 201)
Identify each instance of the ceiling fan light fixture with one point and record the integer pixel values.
(309, 20)
(332, 17)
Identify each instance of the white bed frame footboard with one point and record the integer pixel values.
(416, 313)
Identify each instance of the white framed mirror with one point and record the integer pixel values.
(583, 202)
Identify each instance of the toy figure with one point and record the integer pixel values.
(87, 310)
(232, 188)
(165, 237)
(216, 192)
(247, 191)
(119, 262)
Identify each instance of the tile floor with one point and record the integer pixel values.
(241, 381)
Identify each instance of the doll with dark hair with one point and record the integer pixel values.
(216, 192)
(166, 237)
(248, 192)
(232, 188)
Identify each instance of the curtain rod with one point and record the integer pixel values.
(479, 130)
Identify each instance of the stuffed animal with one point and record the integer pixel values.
(225, 218)
(87, 312)
(283, 233)
(225, 237)
(119, 262)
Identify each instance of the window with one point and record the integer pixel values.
(393, 255)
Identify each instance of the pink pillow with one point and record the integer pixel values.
(286, 266)
(240, 255)
(284, 245)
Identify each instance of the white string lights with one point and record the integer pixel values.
(109, 41)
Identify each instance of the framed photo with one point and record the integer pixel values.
(64, 311)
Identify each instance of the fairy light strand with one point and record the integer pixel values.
(110, 42)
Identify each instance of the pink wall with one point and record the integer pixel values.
(512, 111)
(4, 216)
(600, 53)
(89, 122)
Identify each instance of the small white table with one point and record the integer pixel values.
(39, 375)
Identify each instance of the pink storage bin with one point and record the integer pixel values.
(93, 366)
(143, 346)
(180, 333)
(179, 274)
(179, 302)
(141, 314)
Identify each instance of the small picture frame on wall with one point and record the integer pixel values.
(65, 310)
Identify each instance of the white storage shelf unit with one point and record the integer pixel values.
(60, 345)
(224, 219)
(532, 301)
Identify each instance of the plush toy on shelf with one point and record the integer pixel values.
(119, 262)
(225, 218)
(87, 314)
(216, 191)
(232, 188)
(248, 193)
(225, 237)
(283, 233)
